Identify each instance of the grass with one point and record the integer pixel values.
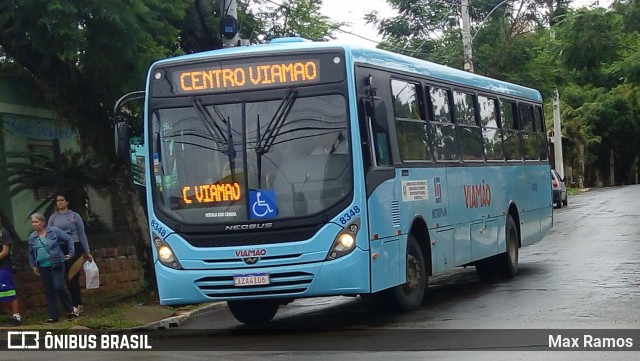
(101, 311)
(573, 191)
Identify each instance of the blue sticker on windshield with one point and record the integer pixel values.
(262, 204)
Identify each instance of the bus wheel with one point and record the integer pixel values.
(508, 261)
(253, 312)
(486, 269)
(409, 296)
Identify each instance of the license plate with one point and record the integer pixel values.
(253, 279)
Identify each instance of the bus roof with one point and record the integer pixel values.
(374, 56)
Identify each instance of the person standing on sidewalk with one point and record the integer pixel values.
(7, 286)
(46, 261)
(71, 222)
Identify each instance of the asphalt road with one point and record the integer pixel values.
(584, 274)
(583, 278)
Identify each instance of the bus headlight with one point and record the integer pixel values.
(345, 241)
(165, 253)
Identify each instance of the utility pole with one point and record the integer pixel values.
(466, 36)
(229, 23)
(557, 135)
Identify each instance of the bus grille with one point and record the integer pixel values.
(249, 238)
(284, 283)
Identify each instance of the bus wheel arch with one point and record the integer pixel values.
(513, 212)
(507, 262)
(410, 295)
(420, 232)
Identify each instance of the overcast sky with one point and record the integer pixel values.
(352, 11)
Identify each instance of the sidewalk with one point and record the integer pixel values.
(158, 318)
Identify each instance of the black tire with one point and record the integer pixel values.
(565, 202)
(486, 269)
(409, 296)
(559, 204)
(253, 312)
(508, 261)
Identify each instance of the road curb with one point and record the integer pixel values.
(177, 321)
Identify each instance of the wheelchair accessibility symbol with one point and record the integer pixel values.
(263, 204)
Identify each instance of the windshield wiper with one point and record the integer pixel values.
(275, 125)
(265, 142)
(217, 135)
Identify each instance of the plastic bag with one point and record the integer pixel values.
(92, 274)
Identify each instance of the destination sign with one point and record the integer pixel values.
(247, 76)
(208, 193)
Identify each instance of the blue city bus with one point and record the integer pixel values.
(301, 169)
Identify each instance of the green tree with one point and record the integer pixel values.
(599, 50)
(294, 18)
(506, 36)
(84, 54)
(36, 170)
(200, 29)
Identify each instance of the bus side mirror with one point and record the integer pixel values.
(122, 140)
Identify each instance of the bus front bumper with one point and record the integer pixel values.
(348, 275)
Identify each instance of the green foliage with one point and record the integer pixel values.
(588, 39)
(294, 18)
(200, 29)
(83, 55)
(591, 54)
(598, 50)
(506, 37)
(36, 171)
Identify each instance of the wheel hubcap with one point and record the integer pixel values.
(413, 273)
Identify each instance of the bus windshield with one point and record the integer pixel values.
(244, 161)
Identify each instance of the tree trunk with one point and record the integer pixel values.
(132, 208)
(136, 217)
(612, 174)
(581, 168)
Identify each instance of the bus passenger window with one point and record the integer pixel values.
(491, 132)
(510, 132)
(442, 128)
(378, 131)
(382, 150)
(468, 133)
(411, 127)
(538, 120)
(529, 139)
(440, 103)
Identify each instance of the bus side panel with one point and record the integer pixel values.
(544, 202)
(546, 221)
(384, 226)
(537, 188)
(442, 250)
(457, 180)
(485, 236)
(486, 198)
(530, 226)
